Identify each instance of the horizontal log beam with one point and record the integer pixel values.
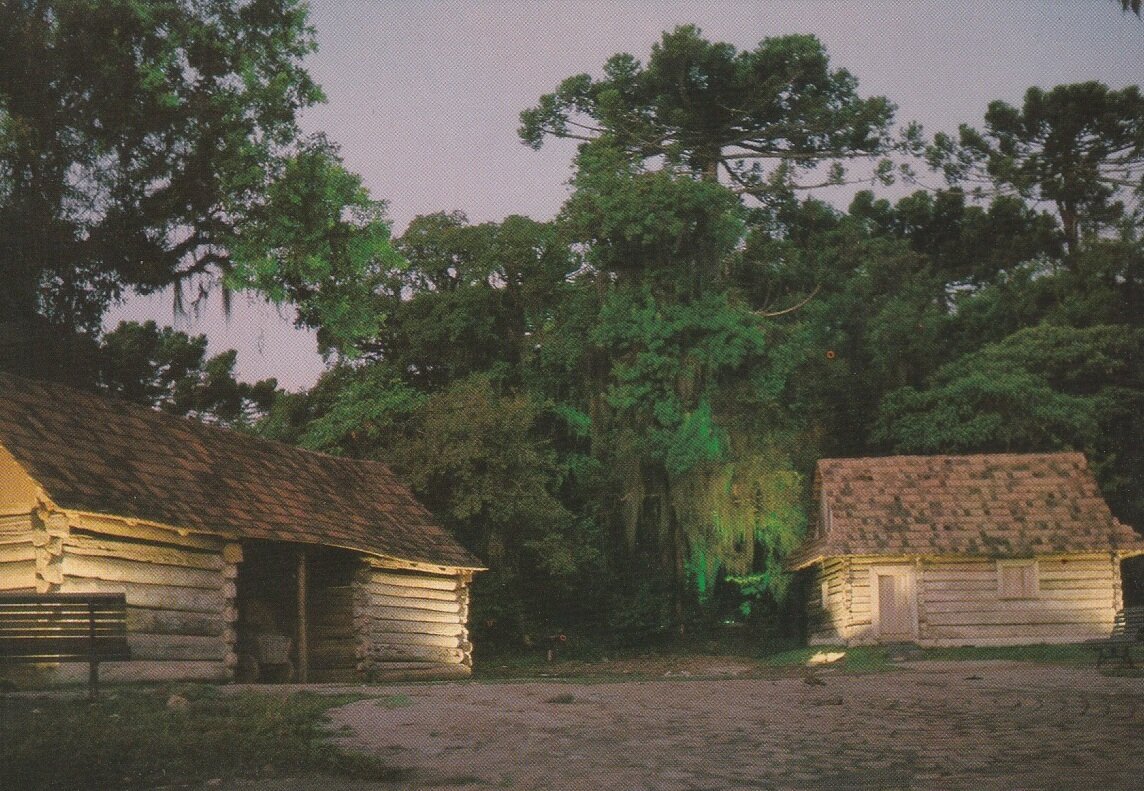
(160, 597)
(1029, 616)
(443, 583)
(15, 576)
(404, 653)
(396, 564)
(406, 592)
(16, 553)
(170, 647)
(117, 570)
(175, 622)
(398, 603)
(118, 527)
(1069, 598)
(80, 544)
(419, 627)
(416, 616)
(380, 637)
(18, 537)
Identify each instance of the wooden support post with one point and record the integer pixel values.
(302, 641)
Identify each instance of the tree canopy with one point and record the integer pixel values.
(761, 118)
(134, 137)
(1078, 147)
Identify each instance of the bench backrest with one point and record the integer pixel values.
(63, 627)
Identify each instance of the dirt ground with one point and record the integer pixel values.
(928, 725)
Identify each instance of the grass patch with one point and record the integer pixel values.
(462, 780)
(1066, 654)
(394, 701)
(130, 738)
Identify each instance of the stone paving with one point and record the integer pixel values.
(930, 725)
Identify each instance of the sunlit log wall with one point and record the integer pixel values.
(827, 602)
(17, 554)
(180, 592)
(959, 601)
(412, 624)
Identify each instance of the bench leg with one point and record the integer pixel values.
(93, 680)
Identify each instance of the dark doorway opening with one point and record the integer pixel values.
(282, 639)
(1132, 581)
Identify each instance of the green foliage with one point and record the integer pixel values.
(667, 360)
(1041, 388)
(620, 411)
(470, 299)
(654, 224)
(473, 456)
(746, 515)
(1079, 147)
(711, 110)
(367, 409)
(319, 241)
(169, 370)
(134, 138)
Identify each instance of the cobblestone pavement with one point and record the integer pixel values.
(972, 726)
(931, 725)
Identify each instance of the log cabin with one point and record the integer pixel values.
(240, 558)
(995, 549)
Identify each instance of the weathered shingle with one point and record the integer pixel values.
(997, 505)
(109, 457)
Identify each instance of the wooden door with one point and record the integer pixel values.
(895, 607)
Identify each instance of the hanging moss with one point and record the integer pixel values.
(743, 516)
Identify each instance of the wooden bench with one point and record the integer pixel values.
(64, 627)
(1127, 630)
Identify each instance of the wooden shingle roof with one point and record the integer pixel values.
(109, 457)
(994, 505)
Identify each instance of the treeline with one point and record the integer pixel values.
(620, 410)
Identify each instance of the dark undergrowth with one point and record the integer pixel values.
(141, 737)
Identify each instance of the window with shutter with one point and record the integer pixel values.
(1017, 579)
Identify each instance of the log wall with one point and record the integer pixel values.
(180, 593)
(17, 554)
(182, 612)
(411, 624)
(1075, 601)
(827, 614)
(332, 642)
(959, 601)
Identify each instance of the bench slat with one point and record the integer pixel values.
(63, 627)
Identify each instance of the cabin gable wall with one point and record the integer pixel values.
(18, 492)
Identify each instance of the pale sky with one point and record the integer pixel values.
(424, 97)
